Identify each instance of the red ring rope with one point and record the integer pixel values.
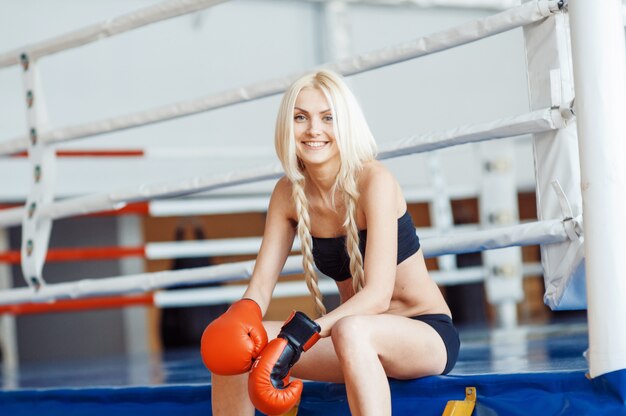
(77, 254)
(92, 153)
(139, 208)
(74, 305)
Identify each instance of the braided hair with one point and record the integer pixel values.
(356, 146)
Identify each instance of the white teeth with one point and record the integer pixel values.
(315, 144)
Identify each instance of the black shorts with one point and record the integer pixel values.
(445, 328)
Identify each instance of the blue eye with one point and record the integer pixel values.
(299, 117)
(328, 118)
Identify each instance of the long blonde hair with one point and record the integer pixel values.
(356, 146)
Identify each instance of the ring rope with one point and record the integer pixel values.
(79, 254)
(232, 204)
(551, 118)
(107, 28)
(93, 153)
(540, 232)
(524, 14)
(471, 4)
(534, 122)
(226, 294)
(76, 305)
(231, 293)
(168, 153)
(435, 244)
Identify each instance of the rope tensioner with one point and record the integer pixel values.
(35, 227)
(24, 61)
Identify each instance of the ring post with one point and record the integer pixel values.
(599, 60)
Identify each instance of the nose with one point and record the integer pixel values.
(314, 132)
(314, 128)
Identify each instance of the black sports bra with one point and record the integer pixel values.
(331, 258)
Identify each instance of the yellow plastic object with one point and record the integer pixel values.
(462, 408)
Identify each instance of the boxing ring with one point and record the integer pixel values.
(509, 370)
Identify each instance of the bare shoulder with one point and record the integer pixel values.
(282, 199)
(379, 190)
(283, 187)
(375, 177)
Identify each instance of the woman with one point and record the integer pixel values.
(351, 217)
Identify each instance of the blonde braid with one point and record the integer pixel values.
(304, 233)
(352, 235)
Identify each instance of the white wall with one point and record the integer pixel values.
(238, 43)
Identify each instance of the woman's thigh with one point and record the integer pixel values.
(406, 348)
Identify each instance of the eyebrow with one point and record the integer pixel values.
(304, 111)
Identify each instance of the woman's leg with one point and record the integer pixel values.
(362, 352)
(229, 394)
(373, 347)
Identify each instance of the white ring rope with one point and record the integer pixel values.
(249, 152)
(457, 240)
(231, 293)
(537, 121)
(478, 29)
(101, 202)
(142, 282)
(541, 232)
(232, 203)
(463, 4)
(244, 245)
(469, 4)
(209, 248)
(107, 28)
(551, 117)
(193, 206)
(538, 232)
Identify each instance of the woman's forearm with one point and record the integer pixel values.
(366, 302)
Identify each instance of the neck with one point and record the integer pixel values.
(322, 179)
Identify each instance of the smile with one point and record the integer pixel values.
(315, 145)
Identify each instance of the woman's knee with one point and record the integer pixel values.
(350, 333)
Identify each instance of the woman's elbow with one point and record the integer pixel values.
(381, 301)
(383, 305)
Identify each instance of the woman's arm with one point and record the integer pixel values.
(278, 239)
(379, 201)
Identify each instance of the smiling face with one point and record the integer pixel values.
(313, 128)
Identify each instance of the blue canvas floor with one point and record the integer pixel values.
(527, 370)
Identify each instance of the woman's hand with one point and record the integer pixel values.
(268, 384)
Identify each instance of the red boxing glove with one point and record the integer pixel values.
(232, 342)
(268, 384)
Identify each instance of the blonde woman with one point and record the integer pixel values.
(351, 217)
